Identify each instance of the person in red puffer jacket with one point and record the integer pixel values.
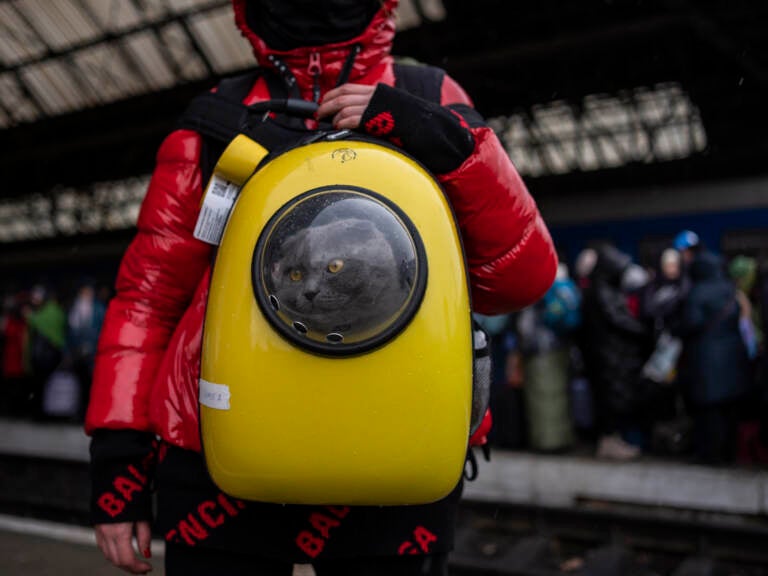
(143, 411)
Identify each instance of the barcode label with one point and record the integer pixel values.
(218, 201)
(219, 187)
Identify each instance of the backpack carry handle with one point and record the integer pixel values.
(290, 106)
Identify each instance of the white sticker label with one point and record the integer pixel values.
(480, 340)
(214, 395)
(217, 204)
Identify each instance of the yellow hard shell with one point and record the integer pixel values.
(385, 427)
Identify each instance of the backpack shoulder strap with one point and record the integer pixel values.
(220, 116)
(419, 79)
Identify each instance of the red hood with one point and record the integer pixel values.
(375, 42)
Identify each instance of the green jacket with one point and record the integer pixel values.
(50, 321)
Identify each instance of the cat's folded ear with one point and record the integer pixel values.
(290, 244)
(359, 230)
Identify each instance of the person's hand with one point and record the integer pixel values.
(114, 540)
(346, 105)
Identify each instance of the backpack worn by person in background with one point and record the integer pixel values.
(562, 307)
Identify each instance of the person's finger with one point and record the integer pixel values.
(348, 88)
(126, 557)
(333, 105)
(344, 96)
(108, 534)
(349, 117)
(103, 540)
(116, 545)
(144, 539)
(102, 544)
(112, 554)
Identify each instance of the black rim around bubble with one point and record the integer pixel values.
(339, 349)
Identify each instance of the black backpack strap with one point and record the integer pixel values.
(220, 116)
(427, 82)
(423, 81)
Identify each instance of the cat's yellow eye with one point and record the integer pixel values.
(335, 265)
(296, 275)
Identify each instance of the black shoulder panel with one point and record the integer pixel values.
(423, 81)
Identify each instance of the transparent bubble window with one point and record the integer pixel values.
(339, 270)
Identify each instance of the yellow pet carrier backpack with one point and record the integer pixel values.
(337, 344)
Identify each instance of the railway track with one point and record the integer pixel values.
(600, 538)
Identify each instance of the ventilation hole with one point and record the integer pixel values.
(334, 337)
(274, 301)
(300, 327)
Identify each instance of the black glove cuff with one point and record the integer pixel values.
(122, 467)
(436, 136)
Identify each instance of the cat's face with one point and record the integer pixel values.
(337, 277)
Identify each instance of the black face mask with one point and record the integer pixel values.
(289, 24)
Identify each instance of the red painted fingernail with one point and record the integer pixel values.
(147, 553)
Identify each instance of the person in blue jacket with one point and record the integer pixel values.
(715, 367)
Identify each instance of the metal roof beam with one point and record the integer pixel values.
(177, 17)
(30, 96)
(195, 45)
(130, 61)
(178, 74)
(34, 100)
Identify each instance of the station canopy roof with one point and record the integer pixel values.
(60, 56)
(583, 93)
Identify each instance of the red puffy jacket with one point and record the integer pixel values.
(148, 361)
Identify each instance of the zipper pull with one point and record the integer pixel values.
(314, 69)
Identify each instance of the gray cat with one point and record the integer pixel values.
(338, 278)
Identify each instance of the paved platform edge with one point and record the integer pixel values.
(562, 481)
(511, 477)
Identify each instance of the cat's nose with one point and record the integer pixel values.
(310, 294)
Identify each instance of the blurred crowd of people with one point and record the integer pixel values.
(618, 358)
(624, 359)
(47, 347)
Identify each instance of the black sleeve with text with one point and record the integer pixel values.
(438, 136)
(122, 466)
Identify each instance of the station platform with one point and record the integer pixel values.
(517, 478)
(517, 507)
(40, 548)
(569, 481)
